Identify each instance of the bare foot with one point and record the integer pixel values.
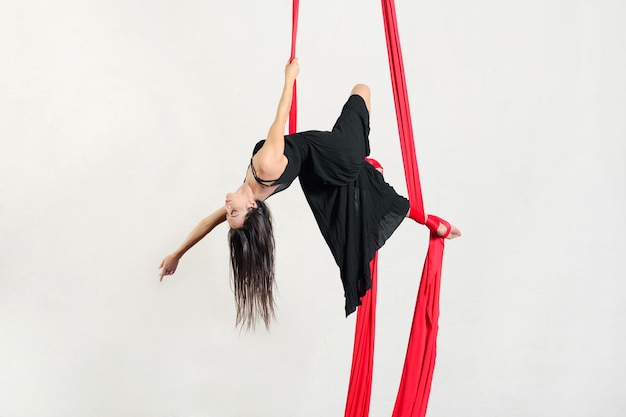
(454, 233)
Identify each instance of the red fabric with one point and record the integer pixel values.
(419, 364)
(405, 127)
(374, 163)
(414, 390)
(360, 387)
(293, 112)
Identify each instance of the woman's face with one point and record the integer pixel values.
(237, 206)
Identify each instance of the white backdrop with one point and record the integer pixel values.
(122, 123)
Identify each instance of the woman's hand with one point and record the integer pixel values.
(292, 69)
(168, 266)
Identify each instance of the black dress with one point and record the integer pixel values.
(355, 209)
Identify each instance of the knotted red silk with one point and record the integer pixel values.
(415, 383)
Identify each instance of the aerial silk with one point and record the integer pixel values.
(419, 363)
(417, 374)
(293, 111)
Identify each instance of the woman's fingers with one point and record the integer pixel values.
(166, 269)
(293, 68)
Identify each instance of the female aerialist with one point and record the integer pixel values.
(355, 209)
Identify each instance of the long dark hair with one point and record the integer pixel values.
(252, 266)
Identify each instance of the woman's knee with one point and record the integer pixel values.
(364, 91)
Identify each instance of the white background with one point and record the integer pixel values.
(122, 123)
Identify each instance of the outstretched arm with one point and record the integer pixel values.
(170, 262)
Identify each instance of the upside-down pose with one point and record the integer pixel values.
(355, 209)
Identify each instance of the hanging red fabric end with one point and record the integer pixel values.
(419, 364)
(360, 388)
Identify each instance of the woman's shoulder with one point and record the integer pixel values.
(266, 165)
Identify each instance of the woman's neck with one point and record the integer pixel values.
(257, 191)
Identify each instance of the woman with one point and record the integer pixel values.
(356, 210)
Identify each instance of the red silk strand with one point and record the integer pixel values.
(403, 112)
(360, 386)
(414, 390)
(293, 111)
(419, 364)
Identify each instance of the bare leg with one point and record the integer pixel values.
(363, 91)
